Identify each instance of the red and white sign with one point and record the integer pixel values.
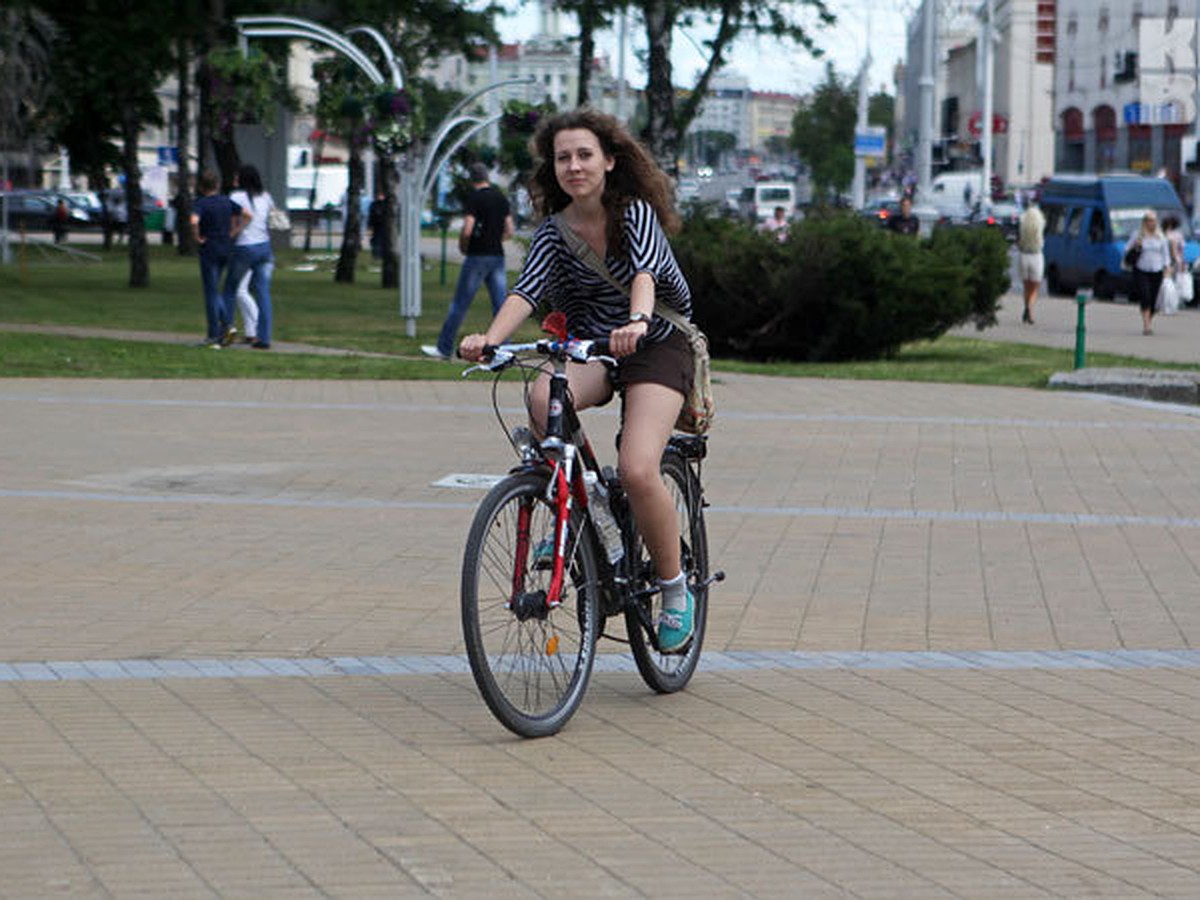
(975, 124)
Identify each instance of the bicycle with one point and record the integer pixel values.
(539, 578)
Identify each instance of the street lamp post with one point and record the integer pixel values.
(418, 167)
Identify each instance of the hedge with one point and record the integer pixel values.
(839, 288)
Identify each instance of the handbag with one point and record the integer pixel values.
(1131, 256)
(278, 219)
(696, 415)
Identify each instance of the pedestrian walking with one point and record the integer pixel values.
(1148, 254)
(216, 221)
(1031, 232)
(488, 223)
(251, 252)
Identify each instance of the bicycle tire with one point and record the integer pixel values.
(667, 673)
(531, 664)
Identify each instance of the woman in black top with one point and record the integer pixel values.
(594, 178)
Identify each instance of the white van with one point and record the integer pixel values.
(758, 202)
(954, 194)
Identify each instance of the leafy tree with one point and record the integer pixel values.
(881, 110)
(823, 134)
(119, 52)
(666, 121)
(593, 15)
(26, 40)
(823, 130)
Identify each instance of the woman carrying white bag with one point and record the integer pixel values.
(1182, 275)
(1170, 298)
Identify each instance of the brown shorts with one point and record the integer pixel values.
(668, 362)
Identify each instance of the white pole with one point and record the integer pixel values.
(985, 144)
(493, 99)
(925, 135)
(858, 190)
(622, 93)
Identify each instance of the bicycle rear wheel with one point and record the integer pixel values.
(531, 661)
(670, 672)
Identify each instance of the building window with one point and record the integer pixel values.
(1072, 25)
(1103, 72)
(1137, 14)
(1071, 75)
(1102, 25)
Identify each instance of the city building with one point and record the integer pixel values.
(1125, 89)
(1022, 95)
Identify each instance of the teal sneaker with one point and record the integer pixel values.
(675, 627)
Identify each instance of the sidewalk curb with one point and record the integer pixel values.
(1145, 384)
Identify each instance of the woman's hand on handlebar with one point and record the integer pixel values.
(624, 340)
(471, 347)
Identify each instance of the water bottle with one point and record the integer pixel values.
(602, 518)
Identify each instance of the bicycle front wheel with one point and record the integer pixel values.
(531, 658)
(670, 672)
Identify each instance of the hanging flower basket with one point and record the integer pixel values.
(391, 123)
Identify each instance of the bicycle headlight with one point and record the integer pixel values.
(522, 441)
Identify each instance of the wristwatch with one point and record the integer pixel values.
(641, 317)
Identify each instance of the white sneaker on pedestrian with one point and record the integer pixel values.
(431, 350)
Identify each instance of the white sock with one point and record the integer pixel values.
(674, 593)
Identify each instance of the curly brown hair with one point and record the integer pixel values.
(636, 176)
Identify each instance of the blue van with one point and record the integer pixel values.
(1089, 219)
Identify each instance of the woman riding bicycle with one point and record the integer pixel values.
(594, 178)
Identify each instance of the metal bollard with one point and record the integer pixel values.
(1081, 300)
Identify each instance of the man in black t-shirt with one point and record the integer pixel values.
(904, 222)
(488, 223)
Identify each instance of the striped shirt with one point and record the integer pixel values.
(555, 275)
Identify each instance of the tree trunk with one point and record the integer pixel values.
(183, 190)
(661, 134)
(390, 277)
(588, 21)
(352, 233)
(311, 219)
(139, 266)
(225, 151)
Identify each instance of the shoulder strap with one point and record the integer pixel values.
(592, 260)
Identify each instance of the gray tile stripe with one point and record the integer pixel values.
(798, 512)
(981, 421)
(215, 500)
(712, 661)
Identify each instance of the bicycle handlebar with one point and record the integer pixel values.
(499, 356)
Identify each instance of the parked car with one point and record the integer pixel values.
(88, 203)
(880, 210)
(1089, 219)
(34, 211)
(1003, 215)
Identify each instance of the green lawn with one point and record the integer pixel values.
(310, 308)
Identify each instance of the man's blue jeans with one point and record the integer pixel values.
(475, 271)
(212, 263)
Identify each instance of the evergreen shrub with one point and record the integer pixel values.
(839, 288)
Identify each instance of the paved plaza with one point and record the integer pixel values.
(953, 656)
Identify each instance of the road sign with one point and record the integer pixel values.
(872, 141)
(168, 156)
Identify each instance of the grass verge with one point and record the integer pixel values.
(364, 317)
